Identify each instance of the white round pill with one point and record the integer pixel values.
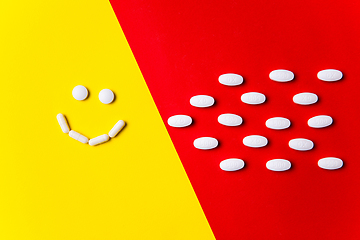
(106, 96)
(80, 92)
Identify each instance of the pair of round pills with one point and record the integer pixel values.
(80, 93)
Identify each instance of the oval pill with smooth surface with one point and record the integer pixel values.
(179, 121)
(77, 136)
(278, 123)
(232, 164)
(320, 121)
(229, 119)
(281, 75)
(98, 140)
(206, 143)
(255, 141)
(301, 144)
(231, 79)
(330, 163)
(330, 75)
(202, 101)
(117, 128)
(305, 98)
(253, 98)
(278, 165)
(63, 123)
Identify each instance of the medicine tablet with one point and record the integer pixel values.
(255, 141)
(206, 143)
(231, 79)
(232, 164)
(78, 136)
(278, 165)
(202, 101)
(320, 121)
(229, 119)
(281, 75)
(98, 140)
(63, 123)
(277, 123)
(117, 128)
(106, 96)
(301, 144)
(330, 75)
(179, 121)
(80, 92)
(305, 98)
(330, 163)
(253, 98)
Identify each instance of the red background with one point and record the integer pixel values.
(183, 46)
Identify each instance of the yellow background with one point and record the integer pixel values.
(53, 187)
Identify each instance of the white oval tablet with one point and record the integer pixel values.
(80, 92)
(202, 101)
(278, 165)
(229, 119)
(206, 143)
(278, 123)
(255, 141)
(330, 75)
(320, 121)
(301, 144)
(179, 121)
(281, 75)
(231, 79)
(106, 96)
(253, 98)
(330, 163)
(232, 164)
(305, 98)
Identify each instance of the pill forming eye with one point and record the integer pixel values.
(278, 165)
(232, 164)
(255, 141)
(98, 140)
(206, 143)
(231, 79)
(80, 92)
(330, 75)
(179, 121)
(320, 121)
(281, 75)
(330, 163)
(202, 101)
(305, 98)
(253, 98)
(63, 123)
(106, 96)
(301, 144)
(77, 136)
(229, 119)
(277, 123)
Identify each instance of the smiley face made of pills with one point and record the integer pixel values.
(80, 93)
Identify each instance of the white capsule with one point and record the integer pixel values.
(255, 141)
(253, 98)
(281, 75)
(98, 140)
(277, 123)
(330, 163)
(278, 165)
(202, 101)
(305, 98)
(330, 75)
(320, 121)
(63, 123)
(206, 143)
(229, 119)
(232, 164)
(301, 144)
(78, 136)
(179, 121)
(231, 79)
(117, 128)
